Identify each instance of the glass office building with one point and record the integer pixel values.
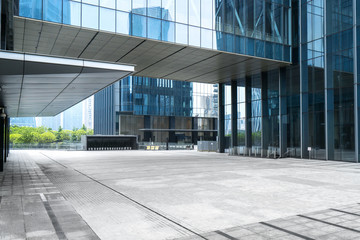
(302, 99)
(157, 110)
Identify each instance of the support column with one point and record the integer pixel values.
(2, 143)
(264, 115)
(234, 117)
(221, 128)
(283, 118)
(6, 138)
(356, 9)
(248, 140)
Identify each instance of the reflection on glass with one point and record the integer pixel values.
(108, 3)
(90, 16)
(194, 36)
(122, 22)
(94, 2)
(124, 5)
(194, 12)
(206, 38)
(30, 9)
(154, 28)
(206, 14)
(168, 10)
(181, 33)
(53, 10)
(107, 19)
(139, 7)
(168, 31)
(138, 25)
(182, 11)
(71, 13)
(154, 8)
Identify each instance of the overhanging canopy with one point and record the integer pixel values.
(35, 85)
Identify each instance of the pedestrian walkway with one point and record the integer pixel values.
(31, 207)
(176, 195)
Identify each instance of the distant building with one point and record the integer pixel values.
(25, 121)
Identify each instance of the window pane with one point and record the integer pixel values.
(154, 28)
(107, 19)
(107, 3)
(94, 2)
(194, 36)
(53, 10)
(181, 33)
(124, 5)
(206, 14)
(182, 11)
(71, 13)
(139, 7)
(194, 12)
(206, 38)
(168, 10)
(154, 8)
(168, 31)
(90, 16)
(122, 22)
(138, 25)
(30, 9)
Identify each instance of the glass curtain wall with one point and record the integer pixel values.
(340, 78)
(241, 115)
(256, 114)
(227, 117)
(253, 27)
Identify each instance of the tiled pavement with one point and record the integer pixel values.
(31, 207)
(54, 195)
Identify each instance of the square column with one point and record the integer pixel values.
(264, 115)
(356, 11)
(248, 140)
(234, 117)
(2, 143)
(221, 128)
(283, 118)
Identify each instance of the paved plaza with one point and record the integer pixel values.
(176, 195)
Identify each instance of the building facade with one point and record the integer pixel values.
(287, 69)
(157, 110)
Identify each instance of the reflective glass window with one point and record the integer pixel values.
(229, 42)
(168, 10)
(206, 13)
(138, 25)
(53, 10)
(194, 36)
(71, 13)
(182, 11)
(122, 22)
(269, 50)
(249, 46)
(124, 5)
(206, 38)
(154, 28)
(107, 3)
(239, 45)
(168, 31)
(94, 2)
(139, 7)
(107, 19)
(154, 8)
(30, 9)
(194, 12)
(90, 16)
(181, 33)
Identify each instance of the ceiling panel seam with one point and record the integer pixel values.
(57, 36)
(66, 54)
(38, 41)
(192, 65)
(131, 50)
(92, 39)
(161, 60)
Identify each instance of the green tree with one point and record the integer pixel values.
(14, 137)
(90, 132)
(83, 127)
(78, 134)
(47, 137)
(35, 137)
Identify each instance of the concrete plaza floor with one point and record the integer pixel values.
(176, 194)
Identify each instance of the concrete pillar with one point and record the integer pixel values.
(264, 115)
(283, 118)
(221, 128)
(356, 11)
(234, 117)
(248, 140)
